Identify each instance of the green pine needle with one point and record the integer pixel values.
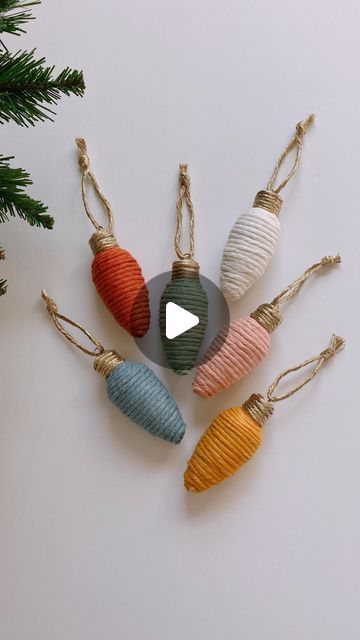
(3, 287)
(3, 284)
(28, 88)
(14, 14)
(14, 200)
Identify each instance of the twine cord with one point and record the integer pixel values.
(184, 194)
(57, 317)
(268, 314)
(293, 289)
(301, 129)
(337, 344)
(87, 174)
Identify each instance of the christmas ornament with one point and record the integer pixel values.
(239, 347)
(132, 387)
(185, 290)
(234, 436)
(115, 272)
(253, 238)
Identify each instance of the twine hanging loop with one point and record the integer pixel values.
(268, 314)
(184, 195)
(337, 344)
(58, 318)
(301, 128)
(87, 175)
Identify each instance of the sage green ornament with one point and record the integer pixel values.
(184, 289)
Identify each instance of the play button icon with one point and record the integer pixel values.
(178, 320)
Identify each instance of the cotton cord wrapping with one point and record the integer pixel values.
(239, 347)
(132, 387)
(236, 434)
(254, 236)
(115, 272)
(184, 289)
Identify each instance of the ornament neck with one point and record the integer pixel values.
(102, 239)
(106, 362)
(268, 200)
(258, 408)
(268, 316)
(186, 268)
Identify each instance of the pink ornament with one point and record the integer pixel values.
(234, 352)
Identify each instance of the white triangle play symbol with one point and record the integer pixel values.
(178, 320)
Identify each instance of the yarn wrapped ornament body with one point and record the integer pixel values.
(140, 395)
(231, 440)
(244, 343)
(232, 355)
(235, 435)
(184, 289)
(249, 249)
(119, 282)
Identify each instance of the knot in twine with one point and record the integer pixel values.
(184, 178)
(84, 160)
(337, 344)
(303, 126)
(327, 261)
(50, 303)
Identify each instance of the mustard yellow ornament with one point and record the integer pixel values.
(235, 435)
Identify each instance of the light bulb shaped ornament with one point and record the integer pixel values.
(116, 274)
(132, 387)
(235, 435)
(185, 290)
(240, 346)
(254, 236)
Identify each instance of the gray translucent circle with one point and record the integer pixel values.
(218, 318)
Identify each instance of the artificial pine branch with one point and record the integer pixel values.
(14, 200)
(14, 14)
(3, 285)
(27, 87)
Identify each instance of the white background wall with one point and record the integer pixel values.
(98, 538)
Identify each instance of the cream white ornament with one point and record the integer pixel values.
(254, 236)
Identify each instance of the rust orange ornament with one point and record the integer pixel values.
(115, 272)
